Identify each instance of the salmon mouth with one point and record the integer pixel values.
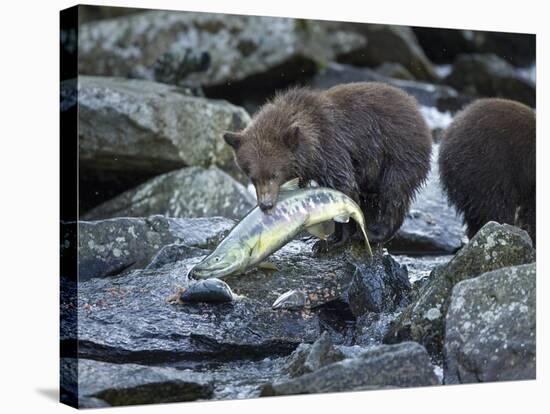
(209, 268)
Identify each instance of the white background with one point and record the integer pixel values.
(29, 206)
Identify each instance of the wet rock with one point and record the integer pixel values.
(243, 378)
(371, 328)
(443, 45)
(323, 279)
(187, 192)
(519, 49)
(310, 357)
(130, 384)
(491, 327)
(358, 287)
(489, 75)
(255, 48)
(432, 225)
(127, 320)
(111, 247)
(443, 97)
(495, 246)
(382, 285)
(136, 127)
(394, 70)
(384, 366)
(388, 43)
(173, 253)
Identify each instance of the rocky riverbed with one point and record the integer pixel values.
(356, 331)
(159, 189)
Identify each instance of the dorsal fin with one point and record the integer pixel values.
(291, 185)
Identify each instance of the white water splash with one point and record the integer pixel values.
(435, 118)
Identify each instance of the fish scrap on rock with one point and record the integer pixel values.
(207, 290)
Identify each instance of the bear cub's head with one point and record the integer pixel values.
(266, 153)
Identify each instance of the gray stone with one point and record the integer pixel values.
(239, 47)
(324, 279)
(495, 246)
(394, 70)
(380, 286)
(126, 319)
(173, 253)
(491, 327)
(140, 127)
(389, 43)
(443, 45)
(384, 366)
(519, 49)
(187, 192)
(111, 247)
(489, 75)
(129, 384)
(311, 357)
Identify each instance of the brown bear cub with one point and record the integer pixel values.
(366, 139)
(487, 164)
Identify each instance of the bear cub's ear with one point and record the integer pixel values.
(292, 137)
(233, 139)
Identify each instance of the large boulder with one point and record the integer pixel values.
(389, 43)
(384, 366)
(489, 75)
(187, 192)
(443, 45)
(132, 130)
(491, 327)
(519, 49)
(135, 125)
(111, 247)
(495, 246)
(126, 318)
(432, 225)
(256, 48)
(104, 384)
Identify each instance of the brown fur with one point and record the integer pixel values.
(487, 164)
(365, 139)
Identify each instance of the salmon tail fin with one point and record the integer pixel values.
(360, 220)
(367, 243)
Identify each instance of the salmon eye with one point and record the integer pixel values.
(217, 258)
